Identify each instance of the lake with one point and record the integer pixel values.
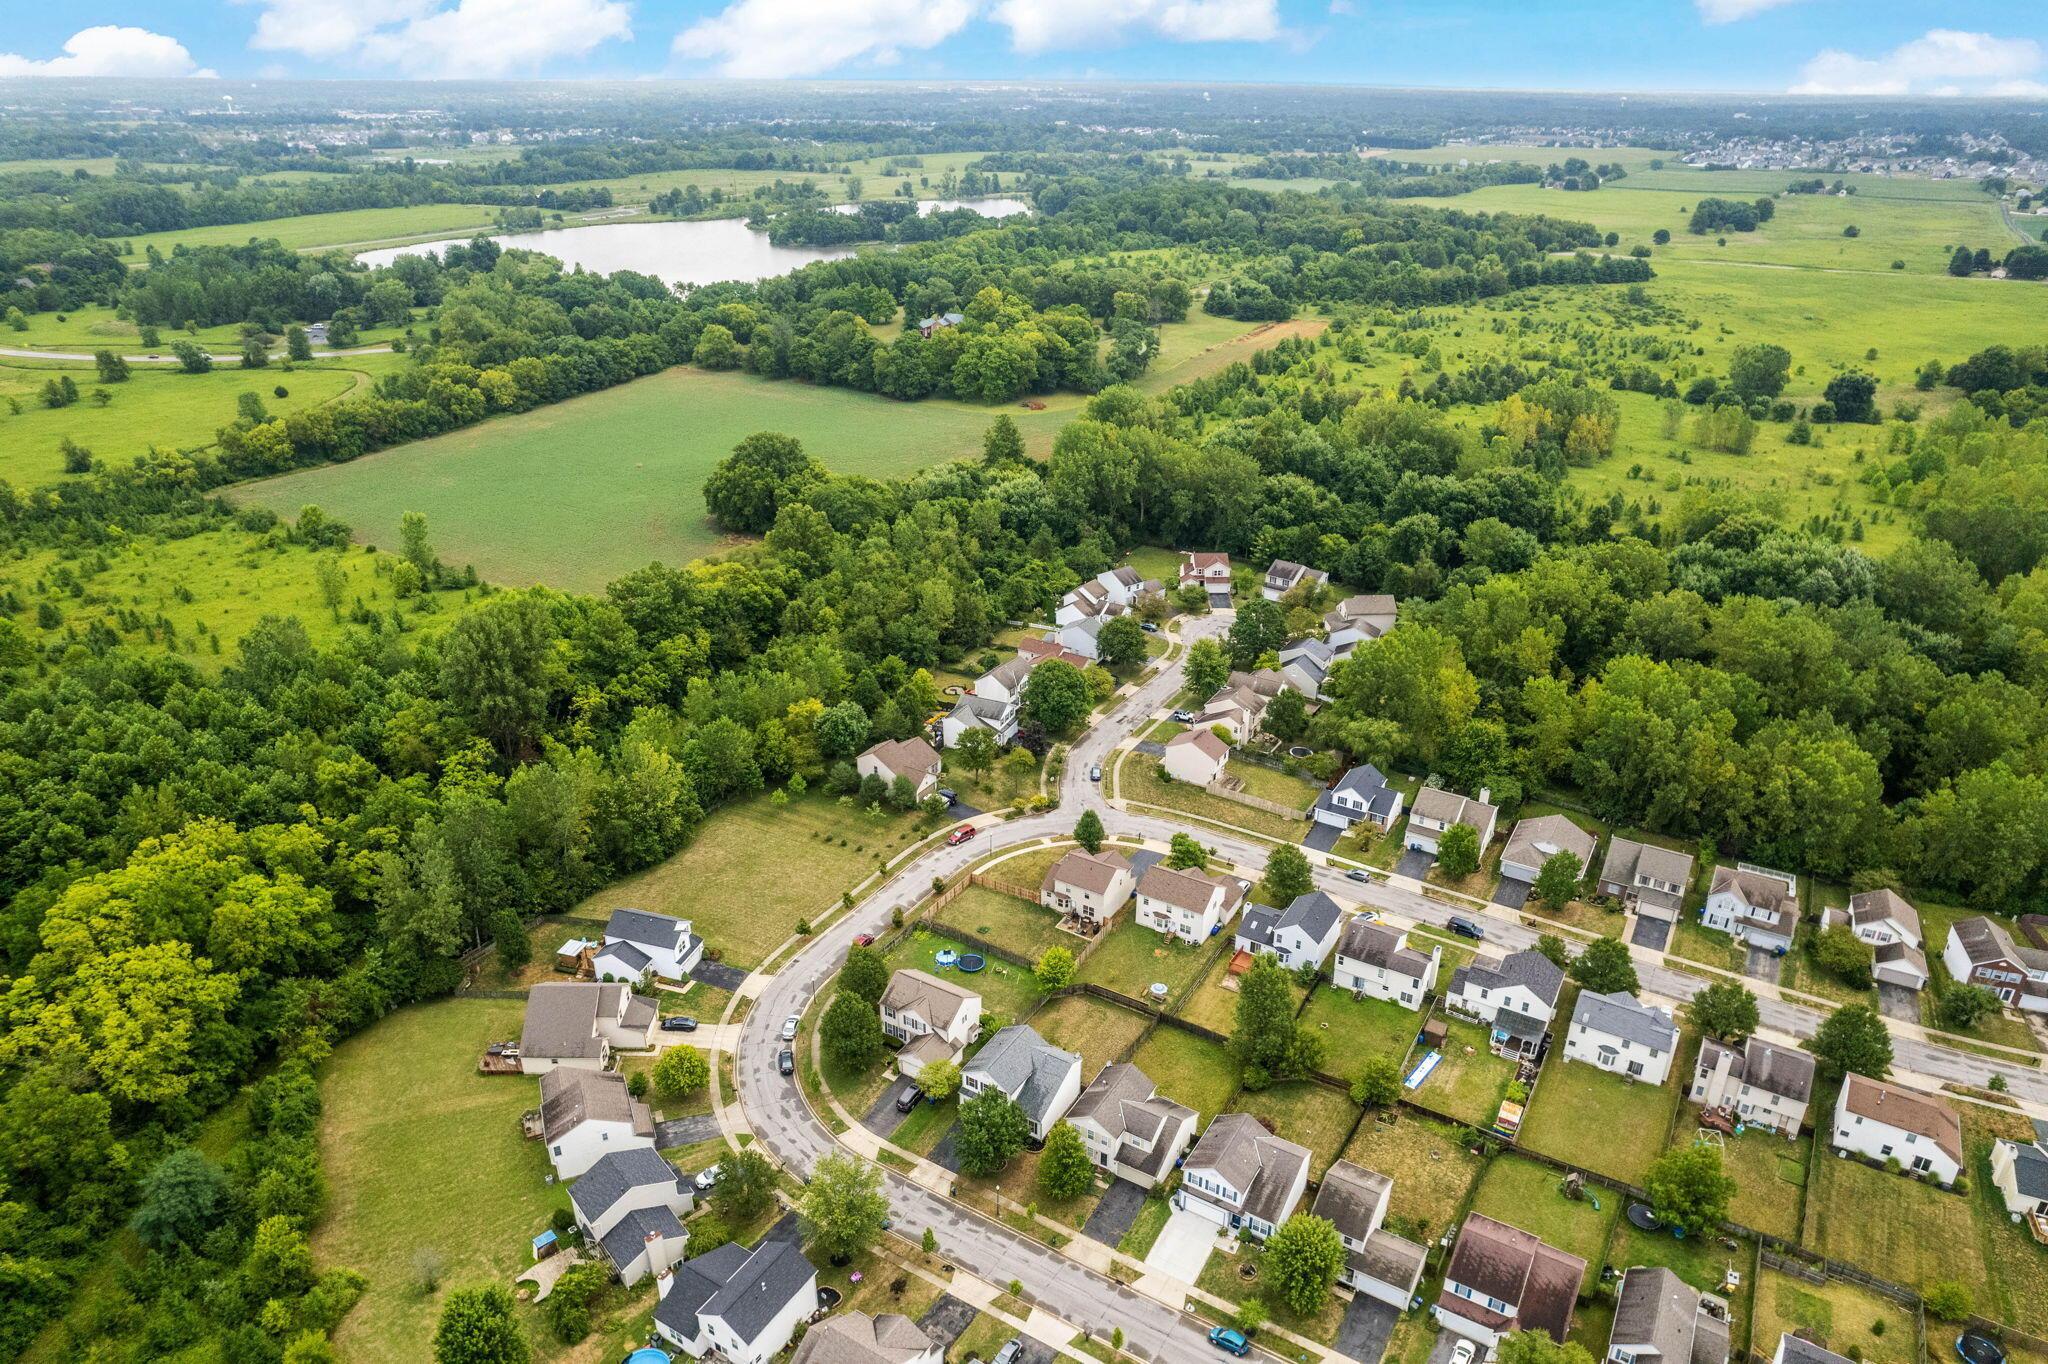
(704, 252)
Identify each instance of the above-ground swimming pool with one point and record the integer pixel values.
(946, 957)
(648, 1355)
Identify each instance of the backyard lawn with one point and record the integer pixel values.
(1769, 1174)
(1140, 781)
(1694, 943)
(1432, 1171)
(1130, 958)
(1189, 1069)
(1842, 1315)
(1307, 1113)
(1269, 783)
(1213, 1004)
(1020, 925)
(2018, 1286)
(1357, 1030)
(1007, 992)
(1470, 1081)
(1524, 1194)
(1026, 868)
(1896, 1228)
(1579, 1110)
(1097, 1030)
(1701, 1261)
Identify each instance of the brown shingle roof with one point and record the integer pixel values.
(912, 758)
(1517, 1267)
(937, 1001)
(1875, 906)
(1090, 871)
(1535, 841)
(570, 1097)
(1907, 1111)
(1184, 889)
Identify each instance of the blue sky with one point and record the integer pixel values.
(1965, 47)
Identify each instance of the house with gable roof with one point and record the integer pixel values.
(2019, 1171)
(1283, 576)
(1131, 1130)
(1190, 904)
(1093, 886)
(1649, 879)
(1044, 1080)
(1982, 951)
(575, 1024)
(587, 1114)
(1200, 568)
(1502, 1280)
(1301, 934)
(1891, 925)
(1195, 756)
(1243, 1177)
(1753, 905)
(1375, 959)
(742, 1305)
(1538, 839)
(1516, 997)
(934, 1019)
(630, 1204)
(1377, 1263)
(1358, 620)
(1884, 1122)
(913, 759)
(639, 943)
(1661, 1319)
(1435, 810)
(854, 1337)
(1305, 665)
(993, 702)
(1360, 795)
(1622, 1035)
(1759, 1082)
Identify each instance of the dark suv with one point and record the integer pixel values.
(1465, 928)
(908, 1099)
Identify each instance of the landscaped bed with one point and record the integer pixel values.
(1357, 1030)
(1525, 1194)
(1431, 1168)
(1189, 1069)
(1098, 1030)
(1130, 958)
(1020, 925)
(1598, 1120)
(1307, 1113)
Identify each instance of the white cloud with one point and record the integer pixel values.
(1942, 61)
(1728, 11)
(110, 50)
(1041, 25)
(471, 38)
(767, 38)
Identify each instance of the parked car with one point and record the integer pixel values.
(949, 795)
(908, 1099)
(1465, 928)
(1150, 627)
(1008, 1354)
(1463, 1352)
(863, 940)
(679, 1023)
(708, 1177)
(786, 1062)
(960, 835)
(1357, 876)
(1224, 1338)
(1095, 771)
(789, 1028)
(1183, 717)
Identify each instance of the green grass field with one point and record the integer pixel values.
(315, 231)
(1769, 1174)
(1189, 1069)
(1577, 1109)
(1358, 1030)
(1303, 1111)
(1131, 957)
(1524, 1194)
(1432, 1171)
(1838, 1312)
(1023, 927)
(1007, 992)
(1098, 1031)
(1469, 1083)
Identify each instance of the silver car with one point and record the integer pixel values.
(789, 1028)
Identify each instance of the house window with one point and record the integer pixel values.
(1635, 1067)
(1922, 1164)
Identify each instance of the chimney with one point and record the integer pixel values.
(1717, 1085)
(1486, 795)
(663, 1281)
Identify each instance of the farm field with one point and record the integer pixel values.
(313, 231)
(85, 330)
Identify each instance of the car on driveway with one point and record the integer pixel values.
(949, 795)
(679, 1023)
(1008, 1354)
(708, 1177)
(1463, 1352)
(789, 1028)
(1223, 1338)
(786, 1062)
(1183, 717)
(1465, 928)
(1149, 627)
(907, 1100)
(959, 835)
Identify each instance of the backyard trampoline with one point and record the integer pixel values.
(1640, 1216)
(970, 962)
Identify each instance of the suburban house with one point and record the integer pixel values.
(1211, 571)
(1759, 1083)
(1799, 1350)
(743, 1305)
(854, 1337)
(1043, 1079)
(1283, 577)
(938, 322)
(1195, 756)
(1753, 905)
(1132, 1132)
(1621, 1034)
(1305, 664)
(1092, 886)
(1362, 794)
(1501, 1280)
(630, 1204)
(1105, 594)
(1377, 1263)
(1082, 638)
(1436, 810)
(1039, 651)
(1189, 904)
(1243, 1177)
(638, 944)
(1300, 935)
(587, 1114)
(2020, 1174)
(1239, 707)
(1538, 839)
(1983, 952)
(913, 759)
(1891, 925)
(1355, 620)
(575, 1024)
(1375, 960)
(1515, 996)
(992, 703)
(1660, 1319)
(933, 1019)
(1649, 879)
(1883, 1122)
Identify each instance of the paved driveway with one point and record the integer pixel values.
(946, 1320)
(1414, 864)
(1511, 894)
(1321, 837)
(1150, 747)
(1183, 1246)
(946, 1154)
(718, 974)
(1763, 966)
(882, 1119)
(1650, 933)
(1115, 1213)
(686, 1131)
(1896, 1001)
(1367, 1326)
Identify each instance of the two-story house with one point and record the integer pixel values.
(1502, 1280)
(1305, 665)
(1189, 904)
(587, 1114)
(913, 760)
(1891, 925)
(1093, 886)
(1083, 638)
(742, 1305)
(1283, 577)
(630, 1204)
(1195, 756)
(1377, 1263)
(638, 944)
(1759, 1082)
(854, 1337)
(993, 702)
(1132, 1131)
(1753, 905)
(1538, 839)
(1360, 795)
(1622, 1035)
(1982, 951)
(1435, 810)
(1243, 1177)
(576, 1024)
(1240, 707)
(1884, 1122)
(1661, 1319)
(1516, 997)
(1105, 594)
(1043, 1079)
(2019, 1171)
(1357, 620)
(1649, 879)
(934, 1019)
(1300, 935)
(1375, 960)
(1210, 572)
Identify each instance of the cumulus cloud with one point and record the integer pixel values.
(1942, 61)
(1042, 25)
(1728, 11)
(110, 50)
(765, 38)
(472, 38)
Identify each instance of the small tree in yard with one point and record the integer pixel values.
(1962, 1005)
(1557, 882)
(1457, 851)
(680, 1072)
(746, 1184)
(1055, 967)
(1843, 955)
(1852, 1040)
(1378, 1084)
(990, 1130)
(939, 1079)
(1185, 853)
(1536, 1347)
(865, 974)
(1250, 1316)
(1302, 1260)
(1552, 946)
(567, 1308)
(1288, 877)
(851, 1031)
(1688, 1188)
(1089, 832)
(477, 1327)
(976, 751)
(1948, 1300)
(1605, 967)
(844, 1206)
(1064, 1169)
(1266, 1041)
(1724, 1010)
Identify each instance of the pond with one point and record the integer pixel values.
(703, 252)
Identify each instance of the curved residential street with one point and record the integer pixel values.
(782, 1118)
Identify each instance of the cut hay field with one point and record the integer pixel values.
(312, 231)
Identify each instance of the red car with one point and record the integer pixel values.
(863, 940)
(960, 835)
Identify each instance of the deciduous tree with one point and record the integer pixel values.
(851, 1031)
(990, 1129)
(1688, 1188)
(1852, 1040)
(1605, 967)
(1064, 1169)
(1303, 1258)
(843, 1205)
(1724, 1010)
(1557, 881)
(478, 1327)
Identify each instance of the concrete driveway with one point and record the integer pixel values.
(1183, 1246)
(1896, 1001)
(1761, 965)
(1650, 933)
(1115, 1213)
(1367, 1327)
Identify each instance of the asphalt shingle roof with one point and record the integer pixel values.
(616, 1174)
(1624, 1016)
(648, 929)
(1542, 976)
(1024, 1065)
(624, 1242)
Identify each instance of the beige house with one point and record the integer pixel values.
(588, 1114)
(934, 1019)
(854, 1337)
(1091, 886)
(1537, 840)
(1243, 1177)
(1132, 1131)
(1435, 810)
(1195, 756)
(1200, 568)
(1191, 905)
(1760, 1083)
(577, 1024)
(2020, 1173)
(910, 758)
(1649, 879)
(1239, 707)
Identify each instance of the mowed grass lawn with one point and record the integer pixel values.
(1896, 1228)
(1470, 1081)
(1007, 992)
(1596, 1120)
(1130, 958)
(1769, 1174)
(1025, 928)
(1139, 780)
(310, 231)
(756, 868)
(1305, 1112)
(1701, 1261)
(1525, 1194)
(1355, 1031)
(1844, 1315)
(1189, 1069)
(1097, 1030)
(422, 1153)
(1213, 1004)
(1431, 1169)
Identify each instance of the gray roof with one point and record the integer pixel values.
(1309, 649)
(1365, 782)
(1626, 1017)
(653, 930)
(1350, 1198)
(1375, 944)
(1252, 1159)
(854, 1337)
(628, 956)
(561, 1019)
(1393, 1260)
(744, 1289)
(1657, 1310)
(694, 1283)
(1448, 807)
(937, 1002)
(1025, 1066)
(616, 1174)
(2030, 1170)
(1800, 1350)
(978, 708)
(1314, 913)
(570, 1097)
(1539, 838)
(1529, 968)
(1986, 940)
(1766, 1066)
(624, 1242)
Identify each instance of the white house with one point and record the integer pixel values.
(576, 1024)
(1883, 1122)
(1189, 904)
(1760, 1083)
(933, 1019)
(1083, 637)
(1091, 886)
(1436, 810)
(1132, 1131)
(1374, 959)
(1891, 925)
(630, 1204)
(1043, 1079)
(1661, 1319)
(638, 944)
(1377, 1263)
(1753, 905)
(1620, 1034)
(913, 759)
(1356, 620)
(744, 1305)
(1238, 706)
(1982, 952)
(1305, 664)
(854, 1337)
(992, 703)
(1283, 577)
(1515, 996)
(1202, 569)
(1109, 593)
(1195, 756)
(1243, 1177)
(1301, 934)
(1538, 839)
(587, 1114)
(2020, 1173)
(1362, 794)
(1502, 1280)
(1649, 879)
